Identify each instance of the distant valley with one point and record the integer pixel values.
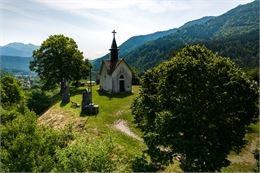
(15, 57)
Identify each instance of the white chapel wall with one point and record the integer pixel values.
(122, 69)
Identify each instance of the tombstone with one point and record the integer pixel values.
(87, 106)
(86, 97)
(65, 92)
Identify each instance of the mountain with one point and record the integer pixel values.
(15, 64)
(18, 49)
(197, 22)
(16, 57)
(234, 34)
(136, 41)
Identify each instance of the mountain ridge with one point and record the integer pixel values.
(18, 49)
(234, 34)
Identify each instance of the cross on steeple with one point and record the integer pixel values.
(114, 33)
(114, 49)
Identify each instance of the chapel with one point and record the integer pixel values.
(115, 74)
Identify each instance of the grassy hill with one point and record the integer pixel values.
(112, 109)
(116, 108)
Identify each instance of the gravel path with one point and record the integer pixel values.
(123, 127)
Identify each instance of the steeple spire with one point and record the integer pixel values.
(114, 49)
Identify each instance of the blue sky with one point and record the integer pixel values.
(90, 22)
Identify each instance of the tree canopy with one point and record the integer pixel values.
(58, 61)
(10, 90)
(197, 106)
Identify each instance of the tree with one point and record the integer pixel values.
(58, 61)
(196, 106)
(82, 73)
(38, 101)
(10, 90)
(135, 77)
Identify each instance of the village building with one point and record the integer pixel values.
(115, 74)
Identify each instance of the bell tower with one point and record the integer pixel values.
(114, 49)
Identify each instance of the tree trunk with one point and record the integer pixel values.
(65, 94)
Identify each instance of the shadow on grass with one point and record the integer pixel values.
(114, 95)
(63, 104)
(82, 114)
(73, 91)
(57, 98)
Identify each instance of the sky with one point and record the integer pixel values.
(90, 22)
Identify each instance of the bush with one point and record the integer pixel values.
(82, 156)
(38, 101)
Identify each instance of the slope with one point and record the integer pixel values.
(115, 111)
(234, 34)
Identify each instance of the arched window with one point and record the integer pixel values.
(121, 77)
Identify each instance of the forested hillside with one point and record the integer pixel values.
(15, 64)
(15, 57)
(234, 34)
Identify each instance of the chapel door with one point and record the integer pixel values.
(121, 83)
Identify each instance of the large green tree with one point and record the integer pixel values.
(59, 61)
(196, 106)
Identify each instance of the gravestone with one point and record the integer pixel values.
(65, 92)
(87, 106)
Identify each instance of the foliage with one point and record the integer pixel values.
(83, 155)
(38, 101)
(10, 90)
(31, 148)
(58, 61)
(253, 74)
(24, 145)
(135, 77)
(197, 105)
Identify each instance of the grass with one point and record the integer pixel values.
(245, 161)
(111, 108)
(117, 107)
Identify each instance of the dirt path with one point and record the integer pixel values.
(123, 127)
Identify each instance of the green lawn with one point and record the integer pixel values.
(111, 108)
(117, 107)
(245, 161)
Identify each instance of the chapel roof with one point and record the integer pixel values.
(111, 66)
